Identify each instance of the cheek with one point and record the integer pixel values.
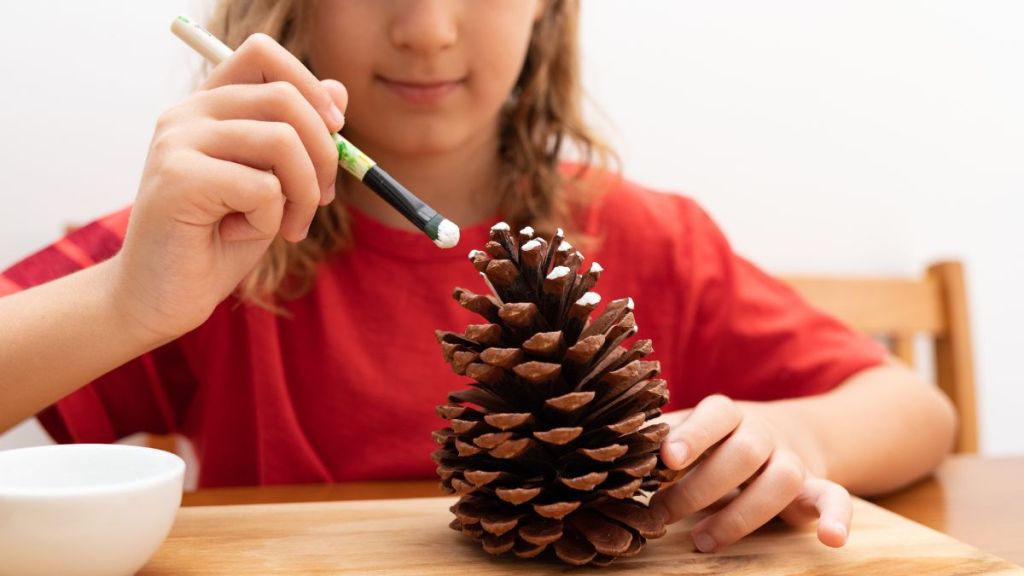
(343, 33)
(497, 55)
(494, 76)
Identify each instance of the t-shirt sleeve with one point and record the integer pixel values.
(148, 394)
(749, 335)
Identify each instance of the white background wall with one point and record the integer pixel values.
(860, 136)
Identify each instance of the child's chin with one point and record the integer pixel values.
(428, 141)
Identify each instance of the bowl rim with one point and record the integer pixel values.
(177, 468)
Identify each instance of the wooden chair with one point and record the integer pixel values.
(900, 309)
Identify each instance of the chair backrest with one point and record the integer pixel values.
(898, 309)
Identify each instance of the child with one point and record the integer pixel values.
(282, 316)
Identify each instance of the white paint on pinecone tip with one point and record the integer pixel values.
(528, 231)
(447, 234)
(500, 226)
(589, 299)
(564, 246)
(531, 245)
(558, 272)
(595, 267)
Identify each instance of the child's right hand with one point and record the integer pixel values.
(247, 157)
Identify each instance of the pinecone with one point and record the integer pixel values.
(548, 449)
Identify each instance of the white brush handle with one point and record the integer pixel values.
(208, 45)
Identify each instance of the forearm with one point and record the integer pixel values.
(58, 336)
(879, 430)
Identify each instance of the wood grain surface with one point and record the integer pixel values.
(411, 537)
(979, 500)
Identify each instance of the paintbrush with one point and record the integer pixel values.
(442, 231)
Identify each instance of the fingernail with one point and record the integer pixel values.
(704, 542)
(839, 528)
(337, 118)
(678, 451)
(326, 195)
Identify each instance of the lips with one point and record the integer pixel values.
(421, 92)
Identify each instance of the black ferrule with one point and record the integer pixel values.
(399, 197)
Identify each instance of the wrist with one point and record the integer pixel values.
(128, 310)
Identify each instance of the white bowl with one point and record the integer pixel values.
(85, 509)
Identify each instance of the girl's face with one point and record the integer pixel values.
(423, 76)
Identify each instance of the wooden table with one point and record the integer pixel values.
(977, 500)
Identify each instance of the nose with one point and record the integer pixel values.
(426, 26)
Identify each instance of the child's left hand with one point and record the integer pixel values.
(740, 449)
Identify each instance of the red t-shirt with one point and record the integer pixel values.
(343, 386)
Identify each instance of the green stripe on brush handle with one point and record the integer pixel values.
(352, 159)
(443, 232)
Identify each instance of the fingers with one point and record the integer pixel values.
(731, 464)
(712, 419)
(828, 503)
(279, 102)
(773, 490)
(260, 60)
(338, 93)
(273, 146)
(256, 202)
(246, 202)
(730, 453)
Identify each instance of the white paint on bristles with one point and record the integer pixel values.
(531, 245)
(558, 272)
(500, 226)
(589, 299)
(447, 234)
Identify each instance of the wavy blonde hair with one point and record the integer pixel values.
(543, 114)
